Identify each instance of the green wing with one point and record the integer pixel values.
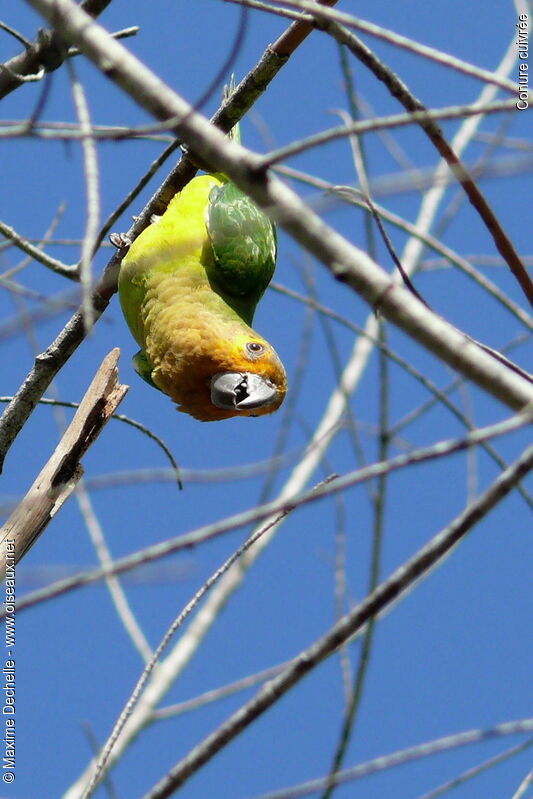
(244, 247)
(143, 367)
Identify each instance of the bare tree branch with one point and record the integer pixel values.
(351, 624)
(59, 477)
(426, 749)
(44, 55)
(71, 272)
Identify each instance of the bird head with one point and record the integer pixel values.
(242, 376)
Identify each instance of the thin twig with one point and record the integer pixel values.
(174, 475)
(90, 161)
(384, 123)
(471, 773)
(71, 272)
(524, 785)
(15, 34)
(403, 756)
(189, 705)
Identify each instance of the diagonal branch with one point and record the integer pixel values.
(387, 593)
(70, 272)
(59, 477)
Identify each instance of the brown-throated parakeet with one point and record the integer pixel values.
(188, 288)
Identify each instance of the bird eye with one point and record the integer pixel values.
(255, 348)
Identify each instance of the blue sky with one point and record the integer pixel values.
(453, 655)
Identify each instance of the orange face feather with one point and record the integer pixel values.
(193, 336)
(188, 380)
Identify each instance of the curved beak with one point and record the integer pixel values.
(242, 391)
